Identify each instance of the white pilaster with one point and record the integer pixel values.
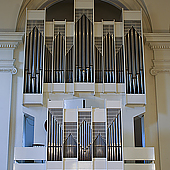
(160, 44)
(8, 42)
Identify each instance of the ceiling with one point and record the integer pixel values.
(155, 13)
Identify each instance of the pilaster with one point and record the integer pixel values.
(8, 43)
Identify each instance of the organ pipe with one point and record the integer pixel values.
(98, 66)
(99, 147)
(120, 66)
(70, 147)
(69, 66)
(85, 147)
(58, 59)
(114, 140)
(84, 50)
(33, 62)
(134, 63)
(54, 139)
(47, 66)
(109, 59)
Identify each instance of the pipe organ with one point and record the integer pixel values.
(91, 71)
(84, 55)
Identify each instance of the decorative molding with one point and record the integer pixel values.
(8, 66)
(160, 66)
(10, 39)
(158, 41)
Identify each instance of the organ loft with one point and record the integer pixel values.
(89, 78)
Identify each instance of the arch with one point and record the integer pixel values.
(42, 4)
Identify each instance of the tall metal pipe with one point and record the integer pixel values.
(60, 58)
(80, 51)
(76, 50)
(54, 59)
(117, 136)
(57, 46)
(130, 64)
(30, 62)
(87, 48)
(80, 143)
(26, 64)
(141, 66)
(62, 62)
(137, 62)
(110, 57)
(59, 136)
(45, 65)
(91, 51)
(133, 59)
(113, 59)
(120, 137)
(38, 63)
(122, 71)
(49, 136)
(127, 63)
(84, 43)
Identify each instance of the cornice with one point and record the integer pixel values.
(160, 66)
(158, 41)
(10, 39)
